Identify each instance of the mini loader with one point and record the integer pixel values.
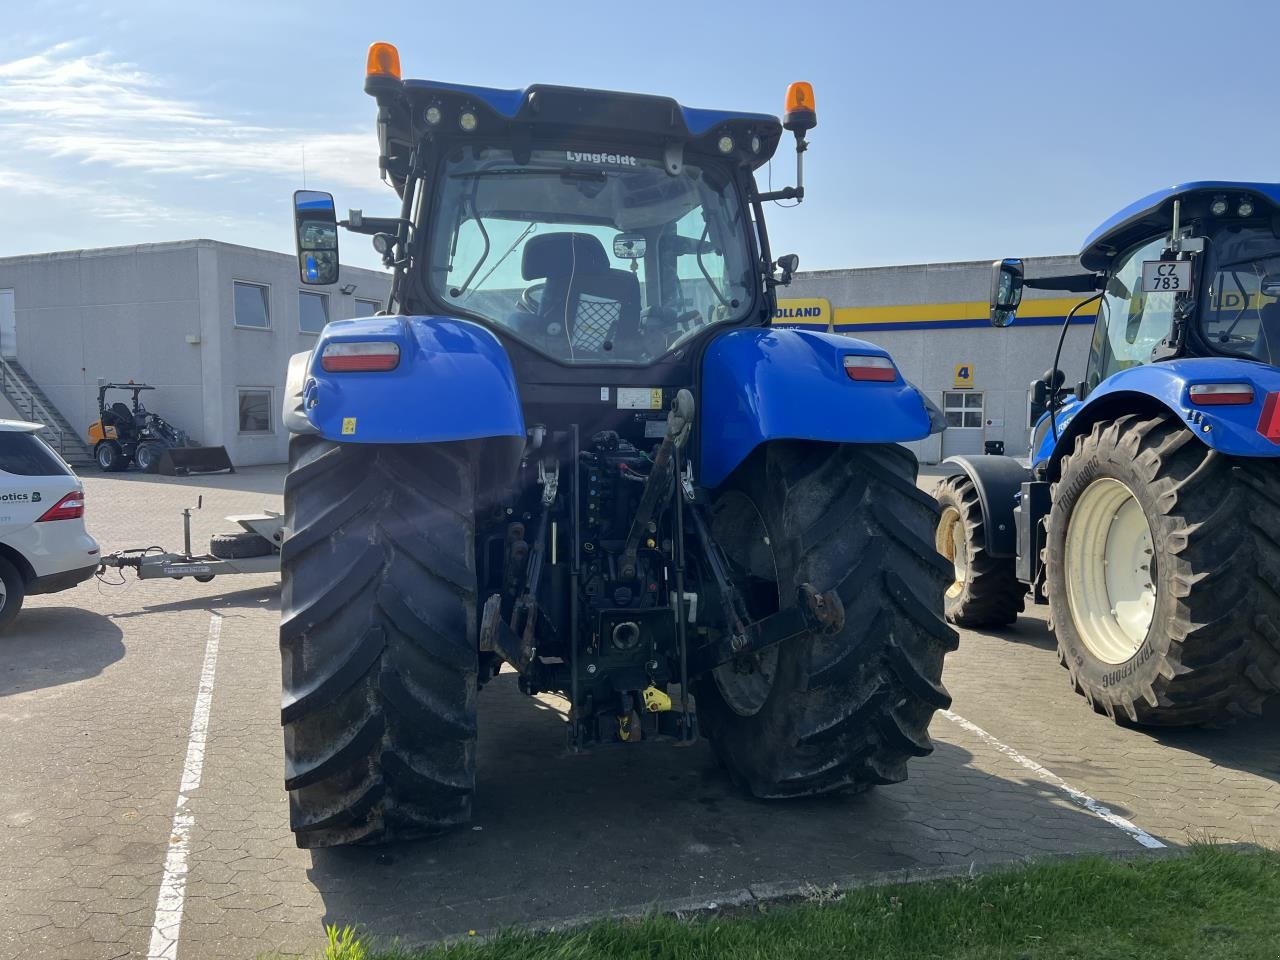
(1148, 516)
(126, 433)
(573, 445)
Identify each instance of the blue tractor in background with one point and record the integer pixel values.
(1148, 515)
(573, 445)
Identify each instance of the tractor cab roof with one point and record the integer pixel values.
(566, 114)
(1153, 213)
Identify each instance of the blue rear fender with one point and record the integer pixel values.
(784, 384)
(1231, 430)
(454, 382)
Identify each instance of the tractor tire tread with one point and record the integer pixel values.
(992, 595)
(378, 656)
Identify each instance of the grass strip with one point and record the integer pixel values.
(1213, 902)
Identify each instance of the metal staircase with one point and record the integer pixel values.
(29, 400)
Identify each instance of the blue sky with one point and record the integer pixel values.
(947, 131)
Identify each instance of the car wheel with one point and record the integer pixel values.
(14, 591)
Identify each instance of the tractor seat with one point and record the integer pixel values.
(119, 416)
(597, 305)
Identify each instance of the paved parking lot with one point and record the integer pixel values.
(100, 859)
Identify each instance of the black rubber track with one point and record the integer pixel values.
(991, 595)
(846, 711)
(1213, 651)
(377, 640)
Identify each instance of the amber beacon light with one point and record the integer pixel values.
(802, 111)
(384, 61)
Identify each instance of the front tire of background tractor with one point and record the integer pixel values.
(826, 712)
(110, 457)
(377, 640)
(147, 457)
(985, 591)
(1163, 571)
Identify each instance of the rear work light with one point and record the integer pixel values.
(362, 356)
(70, 507)
(1221, 394)
(861, 367)
(1269, 422)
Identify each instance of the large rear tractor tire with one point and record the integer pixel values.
(985, 591)
(1163, 572)
(826, 712)
(377, 640)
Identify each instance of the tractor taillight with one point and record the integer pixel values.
(362, 356)
(866, 367)
(1269, 422)
(1221, 394)
(70, 507)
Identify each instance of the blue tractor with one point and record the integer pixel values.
(573, 448)
(1148, 514)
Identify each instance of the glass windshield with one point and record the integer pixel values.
(1130, 323)
(589, 257)
(1241, 312)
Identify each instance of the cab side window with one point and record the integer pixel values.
(1130, 323)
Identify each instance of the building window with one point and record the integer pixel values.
(253, 305)
(255, 411)
(963, 409)
(313, 311)
(367, 308)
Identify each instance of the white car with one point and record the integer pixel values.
(44, 546)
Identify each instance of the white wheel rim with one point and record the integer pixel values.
(1110, 577)
(951, 543)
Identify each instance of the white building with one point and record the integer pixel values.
(210, 325)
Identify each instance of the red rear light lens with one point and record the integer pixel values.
(70, 507)
(1221, 394)
(363, 356)
(865, 367)
(1269, 422)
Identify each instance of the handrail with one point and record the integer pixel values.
(20, 393)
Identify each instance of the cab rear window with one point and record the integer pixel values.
(26, 455)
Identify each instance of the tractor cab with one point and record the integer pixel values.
(1191, 271)
(583, 227)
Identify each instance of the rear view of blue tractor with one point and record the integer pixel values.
(573, 448)
(1148, 517)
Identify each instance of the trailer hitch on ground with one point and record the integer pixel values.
(255, 548)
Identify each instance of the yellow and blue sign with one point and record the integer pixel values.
(974, 313)
(810, 313)
(963, 379)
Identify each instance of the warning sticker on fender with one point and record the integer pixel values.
(639, 398)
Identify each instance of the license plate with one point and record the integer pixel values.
(1166, 276)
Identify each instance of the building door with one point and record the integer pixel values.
(964, 433)
(8, 326)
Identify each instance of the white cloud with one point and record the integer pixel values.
(95, 110)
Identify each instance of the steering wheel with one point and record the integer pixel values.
(530, 298)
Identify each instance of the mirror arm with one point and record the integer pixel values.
(370, 225)
(1073, 283)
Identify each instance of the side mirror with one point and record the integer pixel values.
(788, 263)
(1006, 291)
(315, 222)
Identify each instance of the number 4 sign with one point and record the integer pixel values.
(1166, 276)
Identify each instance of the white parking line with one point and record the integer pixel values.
(1051, 778)
(173, 886)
